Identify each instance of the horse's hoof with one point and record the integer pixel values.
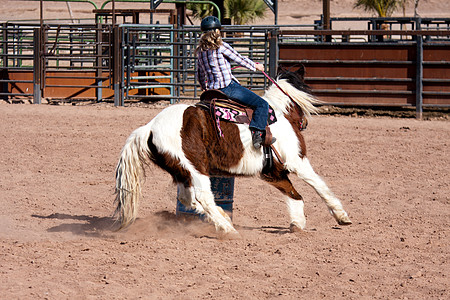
(295, 228)
(344, 221)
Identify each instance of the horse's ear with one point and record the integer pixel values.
(301, 71)
(281, 70)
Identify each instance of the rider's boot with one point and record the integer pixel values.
(258, 138)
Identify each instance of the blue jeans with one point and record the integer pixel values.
(237, 92)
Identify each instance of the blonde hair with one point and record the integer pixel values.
(210, 40)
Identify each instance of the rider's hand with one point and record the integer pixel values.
(259, 67)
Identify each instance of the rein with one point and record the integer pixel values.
(276, 84)
(271, 80)
(277, 154)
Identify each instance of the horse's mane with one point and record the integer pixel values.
(291, 83)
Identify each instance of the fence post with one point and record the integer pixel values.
(5, 44)
(273, 53)
(117, 67)
(37, 65)
(419, 77)
(99, 63)
(4, 73)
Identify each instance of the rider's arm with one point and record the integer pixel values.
(233, 55)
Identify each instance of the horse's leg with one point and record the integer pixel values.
(204, 196)
(186, 195)
(294, 201)
(304, 170)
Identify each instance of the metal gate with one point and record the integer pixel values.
(148, 56)
(76, 61)
(63, 62)
(16, 60)
(158, 61)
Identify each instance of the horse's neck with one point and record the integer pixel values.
(277, 100)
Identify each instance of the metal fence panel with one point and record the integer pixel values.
(408, 68)
(76, 60)
(16, 60)
(132, 62)
(159, 60)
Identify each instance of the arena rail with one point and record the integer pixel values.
(398, 68)
(132, 62)
(62, 62)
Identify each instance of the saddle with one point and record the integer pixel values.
(221, 107)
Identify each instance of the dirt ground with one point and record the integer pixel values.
(56, 192)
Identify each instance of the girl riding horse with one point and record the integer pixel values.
(182, 140)
(214, 72)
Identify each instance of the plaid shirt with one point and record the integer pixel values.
(213, 66)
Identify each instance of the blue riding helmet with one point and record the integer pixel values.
(210, 23)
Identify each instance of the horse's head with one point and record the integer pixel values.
(295, 78)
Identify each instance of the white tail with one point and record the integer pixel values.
(129, 173)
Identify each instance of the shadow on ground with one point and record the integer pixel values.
(92, 225)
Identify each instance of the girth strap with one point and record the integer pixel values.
(281, 160)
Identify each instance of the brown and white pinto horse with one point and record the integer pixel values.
(182, 140)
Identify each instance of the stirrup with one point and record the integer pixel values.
(274, 139)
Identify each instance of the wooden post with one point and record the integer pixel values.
(181, 14)
(326, 14)
(326, 19)
(113, 12)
